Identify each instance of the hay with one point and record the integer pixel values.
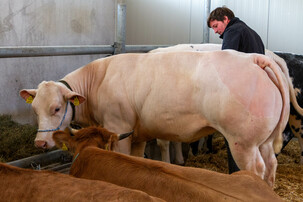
(289, 176)
(16, 140)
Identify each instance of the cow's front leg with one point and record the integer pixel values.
(124, 145)
(179, 160)
(164, 149)
(138, 148)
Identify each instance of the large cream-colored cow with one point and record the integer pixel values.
(164, 144)
(175, 96)
(189, 47)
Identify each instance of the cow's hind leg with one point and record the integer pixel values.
(247, 157)
(232, 166)
(270, 160)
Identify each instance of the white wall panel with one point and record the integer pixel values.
(196, 21)
(286, 26)
(163, 21)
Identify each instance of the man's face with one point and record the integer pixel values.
(219, 26)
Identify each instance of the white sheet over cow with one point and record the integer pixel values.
(175, 96)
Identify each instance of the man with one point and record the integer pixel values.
(235, 33)
(238, 36)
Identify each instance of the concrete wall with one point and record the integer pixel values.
(48, 23)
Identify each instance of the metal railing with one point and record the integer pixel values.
(36, 51)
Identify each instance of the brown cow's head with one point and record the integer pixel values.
(76, 140)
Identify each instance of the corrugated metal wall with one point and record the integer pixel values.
(286, 26)
(278, 22)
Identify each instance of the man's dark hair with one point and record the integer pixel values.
(219, 13)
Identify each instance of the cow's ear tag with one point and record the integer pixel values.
(64, 147)
(76, 101)
(29, 99)
(106, 147)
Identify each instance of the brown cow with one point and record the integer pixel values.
(18, 184)
(160, 179)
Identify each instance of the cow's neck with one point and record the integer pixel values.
(83, 81)
(72, 104)
(75, 157)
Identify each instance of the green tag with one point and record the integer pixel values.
(64, 147)
(29, 100)
(76, 101)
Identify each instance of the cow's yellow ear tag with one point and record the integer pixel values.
(76, 101)
(29, 99)
(107, 147)
(64, 147)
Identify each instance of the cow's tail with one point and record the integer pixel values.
(282, 85)
(292, 92)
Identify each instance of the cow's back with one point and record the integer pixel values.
(27, 185)
(189, 47)
(183, 183)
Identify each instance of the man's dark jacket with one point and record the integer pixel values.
(238, 36)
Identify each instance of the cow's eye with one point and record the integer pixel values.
(57, 109)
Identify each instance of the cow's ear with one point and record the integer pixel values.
(62, 139)
(75, 98)
(112, 142)
(28, 95)
(110, 139)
